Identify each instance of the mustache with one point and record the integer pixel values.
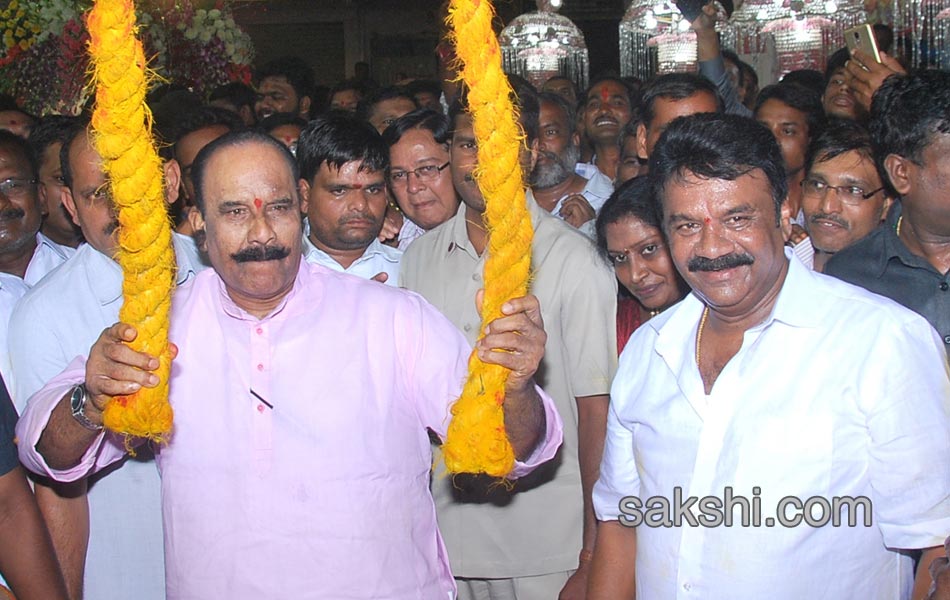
(561, 167)
(728, 261)
(12, 213)
(362, 216)
(260, 254)
(110, 228)
(833, 218)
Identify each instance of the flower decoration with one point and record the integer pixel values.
(19, 31)
(205, 48)
(47, 72)
(44, 60)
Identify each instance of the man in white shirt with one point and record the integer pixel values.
(56, 321)
(26, 255)
(775, 386)
(343, 163)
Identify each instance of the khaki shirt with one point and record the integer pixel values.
(535, 528)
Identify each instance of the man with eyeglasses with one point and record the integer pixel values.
(908, 260)
(343, 163)
(419, 177)
(843, 199)
(26, 255)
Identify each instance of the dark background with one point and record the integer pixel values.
(395, 36)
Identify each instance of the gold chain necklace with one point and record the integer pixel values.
(699, 332)
(474, 224)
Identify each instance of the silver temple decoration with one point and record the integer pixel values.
(805, 32)
(927, 24)
(539, 45)
(654, 38)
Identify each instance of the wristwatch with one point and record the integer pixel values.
(77, 402)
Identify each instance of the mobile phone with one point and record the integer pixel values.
(862, 38)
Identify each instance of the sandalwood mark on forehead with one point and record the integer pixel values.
(257, 203)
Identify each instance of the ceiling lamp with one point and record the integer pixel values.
(542, 44)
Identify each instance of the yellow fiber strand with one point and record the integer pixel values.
(121, 126)
(476, 440)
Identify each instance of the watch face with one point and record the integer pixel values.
(76, 399)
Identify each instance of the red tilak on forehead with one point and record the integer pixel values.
(258, 203)
(707, 220)
(604, 93)
(356, 186)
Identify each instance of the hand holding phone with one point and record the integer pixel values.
(862, 38)
(865, 76)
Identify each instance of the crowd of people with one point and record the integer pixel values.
(739, 298)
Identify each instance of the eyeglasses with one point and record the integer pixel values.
(424, 173)
(16, 187)
(849, 194)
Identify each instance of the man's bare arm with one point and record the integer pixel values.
(613, 571)
(591, 432)
(65, 510)
(707, 40)
(940, 574)
(26, 555)
(923, 579)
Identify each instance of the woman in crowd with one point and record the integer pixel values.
(629, 236)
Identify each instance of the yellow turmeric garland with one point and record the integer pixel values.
(121, 126)
(476, 440)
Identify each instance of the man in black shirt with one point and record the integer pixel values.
(908, 260)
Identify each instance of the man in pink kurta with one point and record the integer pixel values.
(300, 459)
